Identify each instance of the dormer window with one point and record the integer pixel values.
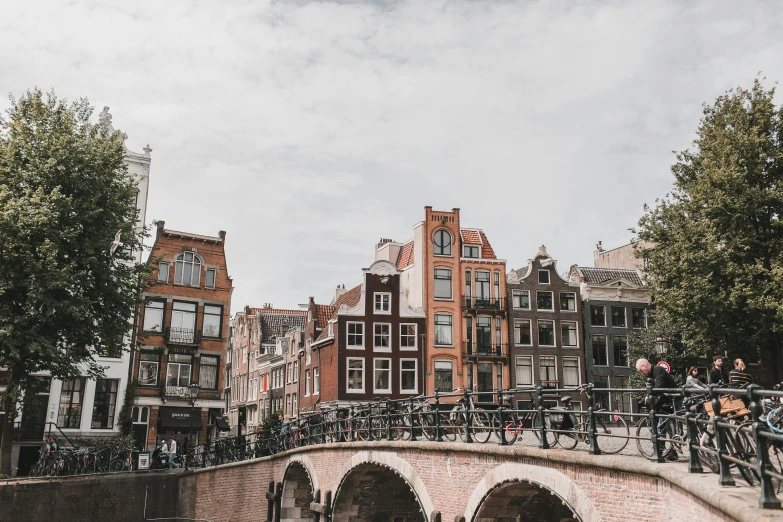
(543, 277)
(187, 270)
(442, 243)
(470, 251)
(382, 303)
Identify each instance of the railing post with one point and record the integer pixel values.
(651, 402)
(594, 448)
(388, 420)
(412, 422)
(501, 421)
(720, 438)
(351, 430)
(543, 443)
(767, 500)
(468, 417)
(694, 464)
(438, 434)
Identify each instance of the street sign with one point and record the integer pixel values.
(664, 364)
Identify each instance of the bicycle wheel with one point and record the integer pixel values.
(427, 422)
(644, 442)
(743, 449)
(612, 434)
(568, 439)
(37, 469)
(551, 438)
(511, 426)
(481, 425)
(117, 465)
(378, 428)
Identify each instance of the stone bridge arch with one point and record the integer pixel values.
(300, 481)
(508, 474)
(362, 462)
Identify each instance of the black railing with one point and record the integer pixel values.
(476, 349)
(36, 431)
(183, 336)
(484, 303)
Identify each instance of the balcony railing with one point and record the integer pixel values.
(183, 336)
(484, 303)
(475, 349)
(176, 391)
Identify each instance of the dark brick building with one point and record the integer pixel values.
(545, 326)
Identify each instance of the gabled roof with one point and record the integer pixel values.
(478, 237)
(349, 298)
(275, 322)
(606, 275)
(406, 256)
(322, 314)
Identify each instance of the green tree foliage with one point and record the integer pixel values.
(64, 194)
(125, 417)
(716, 260)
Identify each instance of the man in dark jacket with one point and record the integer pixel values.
(662, 379)
(718, 373)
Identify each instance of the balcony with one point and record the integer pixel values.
(180, 392)
(484, 304)
(474, 349)
(183, 336)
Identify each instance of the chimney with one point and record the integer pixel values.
(598, 250)
(387, 250)
(222, 235)
(339, 291)
(160, 225)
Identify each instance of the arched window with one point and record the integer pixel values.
(442, 243)
(187, 270)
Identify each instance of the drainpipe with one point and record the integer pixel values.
(423, 364)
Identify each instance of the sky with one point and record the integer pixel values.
(310, 130)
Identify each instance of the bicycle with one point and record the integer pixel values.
(466, 418)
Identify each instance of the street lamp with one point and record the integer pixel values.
(661, 346)
(193, 389)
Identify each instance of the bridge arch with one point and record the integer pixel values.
(513, 478)
(363, 465)
(299, 484)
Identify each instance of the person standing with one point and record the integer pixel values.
(718, 373)
(172, 451)
(662, 379)
(739, 378)
(692, 381)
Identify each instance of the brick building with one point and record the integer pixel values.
(545, 326)
(368, 346)
(182, 334)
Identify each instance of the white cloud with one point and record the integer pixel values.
(308, 130)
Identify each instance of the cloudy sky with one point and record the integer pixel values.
(309, 130)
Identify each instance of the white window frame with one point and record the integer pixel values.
(560, 295)
(307, 383)
(415, 346)
(548, 276)
(578, 371)
(381, 348)
(347, 334)
(540, 377)
(415, 389)
(553, 301)
(576, 327)
(375, 369)
(520, 292)
(348, 373)
(380, 310)
(168, 270)
(516, 374)
(554, 333)
(214, 278)
(316, 380)
(529, 323)
(451, 283)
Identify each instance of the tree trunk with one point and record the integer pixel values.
(6, 436)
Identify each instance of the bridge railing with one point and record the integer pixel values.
(733, 433)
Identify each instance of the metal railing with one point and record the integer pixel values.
(36, 431)
(473, 348)
(710, 426)
(483, 303)
(183, 336)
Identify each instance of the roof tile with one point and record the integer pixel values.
(486, 248)
(275, 323)
(406, 256)
(604, 275)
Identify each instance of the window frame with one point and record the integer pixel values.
(348, 361)
(471, 247)
(451, 325)
(578, 371)
(552, 301)
(204, 320)
(110, 406)
(375, 369)
(540, 375)
(576, 334)
(415, 346)
(170, 363)
(605, 349)
(307, 383)
(520, 293)
(633, 317)
(381, 311)
(317, 380)
(348, 335)
(214, 278)
(168, 270)
(554, 335)
(435, 373)
(516, 370)
(439, 233)
(450, 279)
(624, 317)
(162, 315)
(602, 307)
(377, 348)
(216, 366)
(530, 331)
(548, 276)
(70, 410)
(615, 357)
(415, 371)
(180, 258)
(569, 310)
(157, 363)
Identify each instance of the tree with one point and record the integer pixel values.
(715, 264)
(64, 194)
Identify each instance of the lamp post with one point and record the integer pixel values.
(661, 346)
(193, 389)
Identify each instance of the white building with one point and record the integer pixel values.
(82, 407)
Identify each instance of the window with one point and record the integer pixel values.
(484, 334)
(442, 285)
(543, 277)
(208, 372)
(547, 369)
(308, 351)
(520, 299)
(524, 370)
(211, 275)
(382, 378)
(498, 334)
(471, 251)
(355, 335)
(468, 289)
(307, 383)
(639, 317)
(382, 303)
(602, 398)
(442, 243)
(618, 316)
(443, 325)
(499, 374)
(316, 381)
(187, 270)
(290, 374)
(105, 404)
(568, 301)
(599, 351)
(407, 337)
(148, 368)
(546, 333)
(183, 322)
(620, 345)
(570, 372)
(153, 315)
(178, 370)
(482, 287)
(382, 337)
(497, 285)
(444, 380)
(484, 378)
(544, 301)
(163, 272)
(296, 371)
(213, 316)
(71, 400)
(522, 332)
(597, 315)
(408, 376)
(355, 375)
(568, 333)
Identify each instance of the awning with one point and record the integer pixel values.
(222, 423)
(171, 417)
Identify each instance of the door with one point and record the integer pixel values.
(484, 335)
(34, 412)
(485, 382)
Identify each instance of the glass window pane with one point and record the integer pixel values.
(210, 283)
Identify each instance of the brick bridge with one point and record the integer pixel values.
(429, 482)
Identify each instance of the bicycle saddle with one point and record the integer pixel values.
(565, 400)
